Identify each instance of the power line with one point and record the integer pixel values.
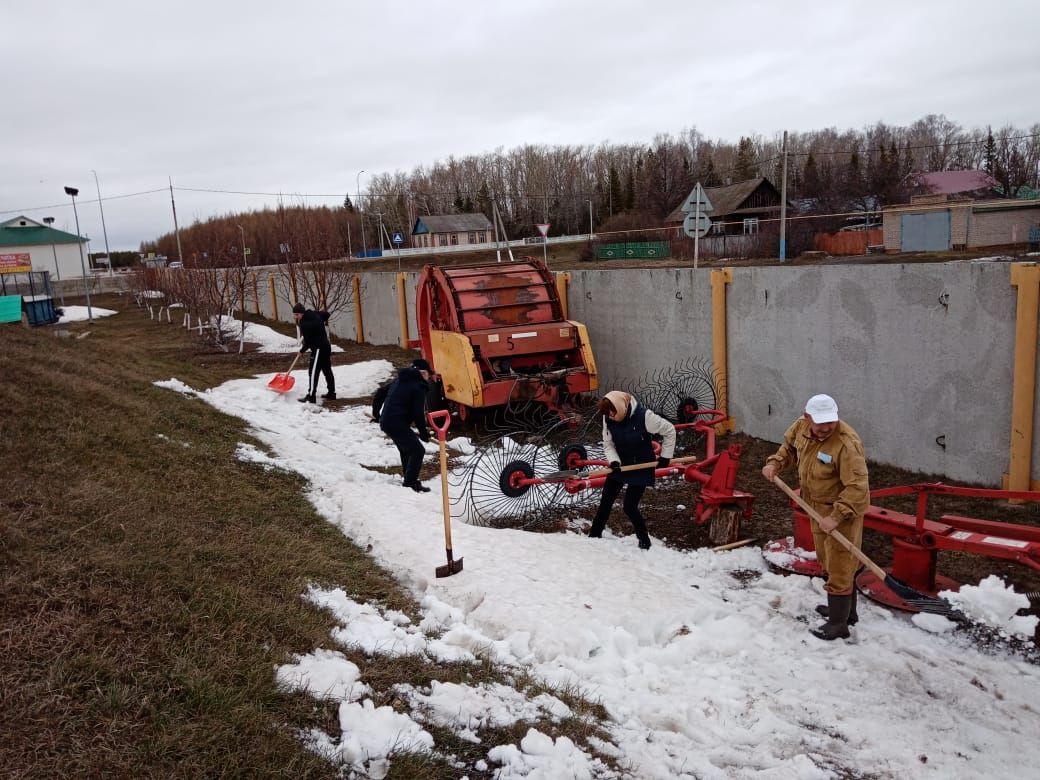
(82, 201)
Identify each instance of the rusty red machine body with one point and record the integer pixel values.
(497, 334)
(916, 540)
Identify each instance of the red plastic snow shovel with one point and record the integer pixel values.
(922, 601)
(444, 417)
(283, 383)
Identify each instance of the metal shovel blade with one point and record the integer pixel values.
(451, 567)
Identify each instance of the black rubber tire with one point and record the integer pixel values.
(505, 478)
(569, 454)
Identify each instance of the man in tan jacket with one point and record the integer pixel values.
(832, 472)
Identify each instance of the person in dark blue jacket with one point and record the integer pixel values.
(628, 431)
(316, 340)
(399, 405)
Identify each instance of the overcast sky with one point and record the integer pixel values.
(299, 97)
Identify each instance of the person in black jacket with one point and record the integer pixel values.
(316, 340)
(628, 431)
(398, 405)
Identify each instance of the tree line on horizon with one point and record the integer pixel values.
(610, 187)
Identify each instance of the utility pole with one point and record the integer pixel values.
(364, 245)
(176, 230)
(590, 221)
(108, 254)
(783, 205)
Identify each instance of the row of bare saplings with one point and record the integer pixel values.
(208, 295)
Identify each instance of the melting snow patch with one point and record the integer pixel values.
(177, 386)
(994, 603)
(247, 453)
(325, 674)
(539, 756)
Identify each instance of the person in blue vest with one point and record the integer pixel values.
(399, 405)
(628, 431)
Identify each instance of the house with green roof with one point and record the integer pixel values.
(49, 249)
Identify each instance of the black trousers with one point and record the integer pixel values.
(411, 450)
(633, 495)
(321, 361)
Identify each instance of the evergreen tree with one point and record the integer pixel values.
(348, 205)
(811, 185)
(709, 177)
(745, 167)
(989, 154)
(483, 203)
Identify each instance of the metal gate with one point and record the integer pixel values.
(928, 232)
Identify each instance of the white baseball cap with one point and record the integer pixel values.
(822, 409)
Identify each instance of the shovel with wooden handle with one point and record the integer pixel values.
(558, 476)
(915, 598)
(444, 418)
(283, 383)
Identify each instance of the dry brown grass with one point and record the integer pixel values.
(150, 588)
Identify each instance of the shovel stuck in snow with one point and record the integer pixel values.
(444, 416)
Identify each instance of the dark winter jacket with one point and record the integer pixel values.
(312, 330)
(630, 441)
(402, 403)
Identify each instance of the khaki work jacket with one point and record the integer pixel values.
(832, 473)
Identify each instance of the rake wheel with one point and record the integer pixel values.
(570, 456)
(507, 479)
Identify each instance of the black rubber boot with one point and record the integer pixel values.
(329, 396)
(308, 399)
(853, 615)
(837, 625)
(644, 543)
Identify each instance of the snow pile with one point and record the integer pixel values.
(994, 603)
(79, 313)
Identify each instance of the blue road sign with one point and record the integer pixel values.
(397, 238)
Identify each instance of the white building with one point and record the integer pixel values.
(49, 249)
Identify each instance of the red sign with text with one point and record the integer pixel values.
(18, 263)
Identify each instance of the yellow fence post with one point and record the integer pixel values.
(402, 305)
(719, 280)
(563, 283)
(256, 294)
(359, 322)
(1026, 277)
(274, 297)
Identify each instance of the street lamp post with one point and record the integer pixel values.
(108, 255)
(72, 192)
(590, 219)
(380, 231)
(364, 246)
(48, 221)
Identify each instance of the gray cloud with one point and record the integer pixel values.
(299, 97)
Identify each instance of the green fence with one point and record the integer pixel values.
(634, 249)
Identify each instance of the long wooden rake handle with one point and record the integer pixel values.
(842, 540)
(638, 466)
